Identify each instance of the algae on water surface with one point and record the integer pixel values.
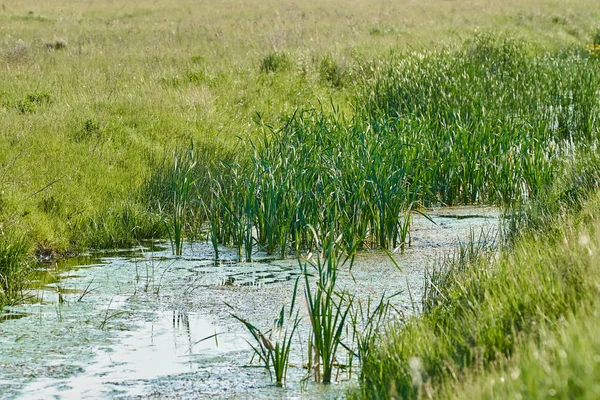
(142, 323)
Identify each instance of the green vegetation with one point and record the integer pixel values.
(94, 93)
(96, 96)
(413, 140)
(273, 346)
(328, 310)
(512, 314)
(14, 269)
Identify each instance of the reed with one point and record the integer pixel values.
(489, 122)
(273, 347)
(328, 311)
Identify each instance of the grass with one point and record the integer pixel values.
(181, 186)
(88, 113)
(561, 364)
(490, 314)
(328, 310)
(14, 266)
(97, 106)
(413, 140)
(273, 346)
(96, 97)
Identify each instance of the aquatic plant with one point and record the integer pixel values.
(414, 140)
(367, 320)
(183, 181)
(273, 347)
(328, 310)
(14, 269)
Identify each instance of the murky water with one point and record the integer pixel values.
(143, 324)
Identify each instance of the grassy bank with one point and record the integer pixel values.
(509, 325)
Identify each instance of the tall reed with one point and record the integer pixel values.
(328, 310)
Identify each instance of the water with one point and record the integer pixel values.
(143, 324)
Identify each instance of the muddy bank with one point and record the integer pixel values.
(131, 324)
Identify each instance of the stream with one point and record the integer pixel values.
(141, 323)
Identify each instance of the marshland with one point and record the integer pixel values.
(364, 199)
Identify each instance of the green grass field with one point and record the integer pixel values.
(92, 92)
(244, 123)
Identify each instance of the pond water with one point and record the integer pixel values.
(141, 323)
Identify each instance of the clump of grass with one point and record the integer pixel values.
(331, 72)
(297, 176)
(183, 181)
(275, 61)
(32, 102)
(16, 51)
(328, 311)
(14, 268)
(565, 196)
(119, 225)
(367, 319)
(273, 346)
(90, 129)
(56, 44)
(208, 166)
(502, 142)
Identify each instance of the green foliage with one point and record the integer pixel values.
(485, 305)
(596, 37)
(328, 310)
(564, 196)
(415, 139)
(32, 102)
(487, 123)
(14, 268)
(275, 62)
(561, 364)
(121, 224)
(91, 129)
(182, 183)
(331, 72)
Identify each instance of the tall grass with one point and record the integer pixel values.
(561, 364)
(485, 306)
(119, 224)
(14, 269)
(489, 122)
(328, 310)
(181, 185)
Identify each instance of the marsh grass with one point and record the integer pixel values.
(182, 183)
(485, 306)
(414, 139)
(367, 319)
(328, 310)
(118, 225)
(273, 347)
(14, 268)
